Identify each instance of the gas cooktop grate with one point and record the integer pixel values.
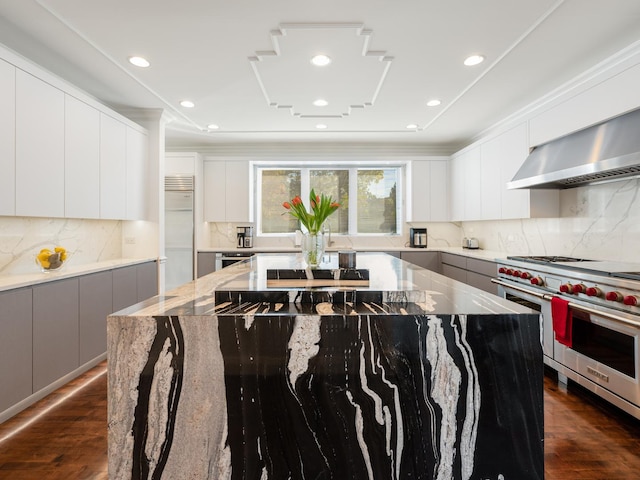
(548, 259)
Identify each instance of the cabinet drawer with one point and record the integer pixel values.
(455, 260)
(482, 267)
(482, 282)
(455, 273)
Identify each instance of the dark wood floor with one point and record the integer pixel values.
(585, 438)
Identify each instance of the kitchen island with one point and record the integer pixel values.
(408, 375)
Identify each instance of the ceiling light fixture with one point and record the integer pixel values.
(433, 103)
(187, 104)
(321, 126)
(321, 60)
(213, 126)
(139, 62)
(473, 60)
(320, 102)
(412, 126)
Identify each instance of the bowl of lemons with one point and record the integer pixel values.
(50, 260)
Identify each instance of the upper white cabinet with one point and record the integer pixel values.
(466, 185)
(113, 168)
(82, 160)
(39, 147)
(479, 177)
(226, 191)
(137, 173)
(607, 98)
(7, 138)
(429, 191)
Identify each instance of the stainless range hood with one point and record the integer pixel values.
(604, 152)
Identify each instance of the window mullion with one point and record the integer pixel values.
(353, 201)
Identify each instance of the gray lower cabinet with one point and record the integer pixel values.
(55, 331)
(206, 263)
(424, 259)
(15, 347)
(472, 271)
(125, 287)
(95, 304)
(146, 280)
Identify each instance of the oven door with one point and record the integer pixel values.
(605, 351)
(535, 301)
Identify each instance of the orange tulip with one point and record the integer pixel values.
(297, 200)
(287, 205)
(335, 205)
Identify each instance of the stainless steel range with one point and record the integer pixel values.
(602, 301)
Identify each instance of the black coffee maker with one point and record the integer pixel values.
(418, 237)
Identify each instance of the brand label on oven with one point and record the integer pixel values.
(596, 373)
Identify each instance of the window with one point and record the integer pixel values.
(369, 197)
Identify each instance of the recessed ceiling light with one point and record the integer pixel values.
(321, 126)
(412, 126)
(473, 60)
(321, 102)
(139, 62)
(213, 126)
(433, 103)
(187, 104)
(320, 60)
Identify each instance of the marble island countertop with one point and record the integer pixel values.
(241, 288)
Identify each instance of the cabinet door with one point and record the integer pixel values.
(491, 183)
(81, 160)
(39, 151)
(15, 347)
(95, 304)
(457, 183)
(113, 171)
(137, 174)
(482, 282)
(472, 185)
(439, 191)
(7, 139)
(515, 203)
(238, 192)
(428, 260)
(146, 280)
(215, 191)
(420, 191)
(125, 287)
(55, 331)
(456, 273)
(206, 263)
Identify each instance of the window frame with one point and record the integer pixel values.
(257, 167)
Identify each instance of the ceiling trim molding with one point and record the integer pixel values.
(285, 29)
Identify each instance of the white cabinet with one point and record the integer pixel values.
(7, 139)
(429, 192)
(479, 177)
(39, 147)
(113, 168)
(466, 185)
(137, 174)
(226, 191)
(82, 160)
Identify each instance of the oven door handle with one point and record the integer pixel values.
(581, 308)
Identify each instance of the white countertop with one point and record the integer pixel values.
(9, 282)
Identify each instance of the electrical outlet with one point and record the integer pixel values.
(130, 240)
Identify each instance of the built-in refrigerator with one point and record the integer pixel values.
(178, 230)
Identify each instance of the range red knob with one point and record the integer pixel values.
(525, 275)
(614, 296)
(537, 281)
(502, 270)
(594, 292)
(517, 273)
(509, 271)
(580, 288)
(631, 300)
(566, 288)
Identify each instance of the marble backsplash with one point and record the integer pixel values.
(439, 235)
(87, 241)
(600, 222)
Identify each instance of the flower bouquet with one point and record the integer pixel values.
(321, 207)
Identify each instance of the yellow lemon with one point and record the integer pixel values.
(59, 249)
(45, 250)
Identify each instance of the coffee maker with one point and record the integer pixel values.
(245, 237)
(418, 237)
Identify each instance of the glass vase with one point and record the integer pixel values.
(312, 248)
